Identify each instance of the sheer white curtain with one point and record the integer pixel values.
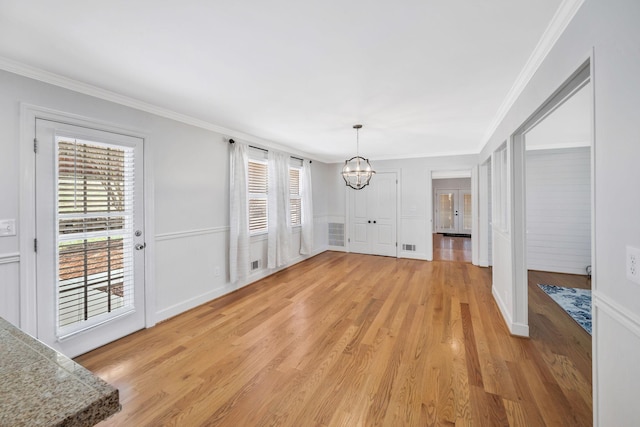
(278, 219)
(238, 213)
(306, 233)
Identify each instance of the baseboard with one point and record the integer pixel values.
(413, 255)
(515, 328)
(194, 302)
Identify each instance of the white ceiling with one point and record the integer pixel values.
(424, 77)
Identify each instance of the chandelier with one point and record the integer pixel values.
(357, 170)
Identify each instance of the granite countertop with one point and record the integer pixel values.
(41, 387)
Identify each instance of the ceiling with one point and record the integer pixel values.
(424, 77)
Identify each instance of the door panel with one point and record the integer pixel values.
(89, 216)
(385, 234)
(360, 233)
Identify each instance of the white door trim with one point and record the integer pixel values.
(27, 224)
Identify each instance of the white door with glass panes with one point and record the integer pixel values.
(453, 211)
(90, 236)
(373, 216)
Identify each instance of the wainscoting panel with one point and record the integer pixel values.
(412, 234)
(191, 269)
(10, 287)
(617, 332)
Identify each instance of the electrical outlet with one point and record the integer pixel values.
(633, 264)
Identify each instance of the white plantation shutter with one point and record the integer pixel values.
(258, 188)
(95, 192)
(295, 202)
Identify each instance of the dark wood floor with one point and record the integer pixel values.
(353, 340)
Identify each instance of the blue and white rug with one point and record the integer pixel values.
(576, 302)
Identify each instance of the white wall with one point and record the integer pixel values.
(452, 184)
(189, 189)
(609, 29)
(559, 210)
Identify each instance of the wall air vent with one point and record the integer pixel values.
(408, 248)
(336, 234)
(255, 265)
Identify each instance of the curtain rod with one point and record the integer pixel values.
(231, 141)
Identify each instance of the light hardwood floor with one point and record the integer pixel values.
(353, 340)
(448, 248)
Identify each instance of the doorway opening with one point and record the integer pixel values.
(558, 212)
(453, 216)
(517, 264)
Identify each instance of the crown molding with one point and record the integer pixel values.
(35, 73)
(561, 19)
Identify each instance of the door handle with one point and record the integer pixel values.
(140, 246)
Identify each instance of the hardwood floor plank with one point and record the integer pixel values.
(355, 340)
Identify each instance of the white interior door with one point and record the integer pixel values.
(373, 222)
(90, 236)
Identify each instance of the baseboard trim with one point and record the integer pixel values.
(515, 328)
(192, 303)
(413, 255)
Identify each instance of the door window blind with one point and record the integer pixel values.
(95, 191)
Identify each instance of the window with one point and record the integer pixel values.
(258, 185)
(295, 203)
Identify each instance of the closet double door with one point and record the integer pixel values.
(373, 217)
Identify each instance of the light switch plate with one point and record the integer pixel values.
(7, 227)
